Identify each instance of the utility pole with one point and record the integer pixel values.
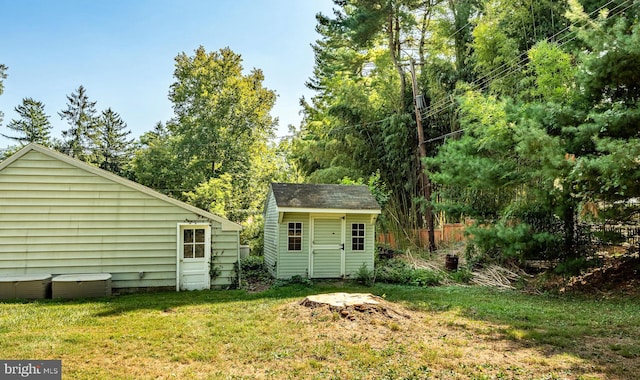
(424, 178)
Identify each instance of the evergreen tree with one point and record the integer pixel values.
(33, 125)
(80, 139)
(605, 140)
(113, 145)
(564, 148)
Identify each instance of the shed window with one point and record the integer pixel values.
(357, 236)
(193, 243)
(294, 235)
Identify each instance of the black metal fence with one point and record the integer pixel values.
(599, 235)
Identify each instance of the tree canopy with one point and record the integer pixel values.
(529, 112)
(529, 115)
(215, 152)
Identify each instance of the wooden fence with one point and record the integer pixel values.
(449, 233)
(588, 234)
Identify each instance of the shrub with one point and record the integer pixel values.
(393, 271)
(574, 267)
(396, 271)
(425, 277)
(462, 275)
(503, 242)
(295, 280)
(365, 275)
(252, 263)
(253, 268)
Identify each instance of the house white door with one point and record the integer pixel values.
(327, 248)
(194, 254)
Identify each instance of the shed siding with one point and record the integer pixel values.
(271, 235)
(355, 259)
(292, 263)
(56, 218)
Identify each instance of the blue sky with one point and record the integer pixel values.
(122, 51)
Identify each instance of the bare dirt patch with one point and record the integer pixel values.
(454, 346)
(619, 274)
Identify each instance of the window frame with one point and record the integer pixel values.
(297, 235)
(197, 232)
(358, 237)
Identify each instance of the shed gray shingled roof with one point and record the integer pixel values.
(348, 197)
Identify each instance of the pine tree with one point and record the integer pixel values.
(33, 125)
(113, 145)
(606, 142)
(80, 138)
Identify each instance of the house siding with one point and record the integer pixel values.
(293, 263)
(224, 252)
(271, 235)
(56, 218)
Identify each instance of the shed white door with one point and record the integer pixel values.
(194, 253)
(327, 248)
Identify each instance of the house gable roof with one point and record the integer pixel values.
(324, 198)
(226, 224)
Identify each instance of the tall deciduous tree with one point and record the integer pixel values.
(3, 75)
(114, 147)
(215, 152)
(33, 124)
(80, 139)
(220, 112)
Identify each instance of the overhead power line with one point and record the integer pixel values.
(507, 70)
(499, 72)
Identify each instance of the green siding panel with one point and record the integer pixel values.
(271, 234)
(355, 259)
(293, 263)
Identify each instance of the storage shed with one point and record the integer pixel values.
(319, 231)
(61, 216)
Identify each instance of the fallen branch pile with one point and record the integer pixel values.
(494, 276)
(418, 263)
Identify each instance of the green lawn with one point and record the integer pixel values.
(453, 333)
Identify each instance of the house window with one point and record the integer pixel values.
(357, 237)
(193, 243)
(294, 235)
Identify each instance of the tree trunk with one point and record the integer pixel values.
(569, 226)
(393, 31)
